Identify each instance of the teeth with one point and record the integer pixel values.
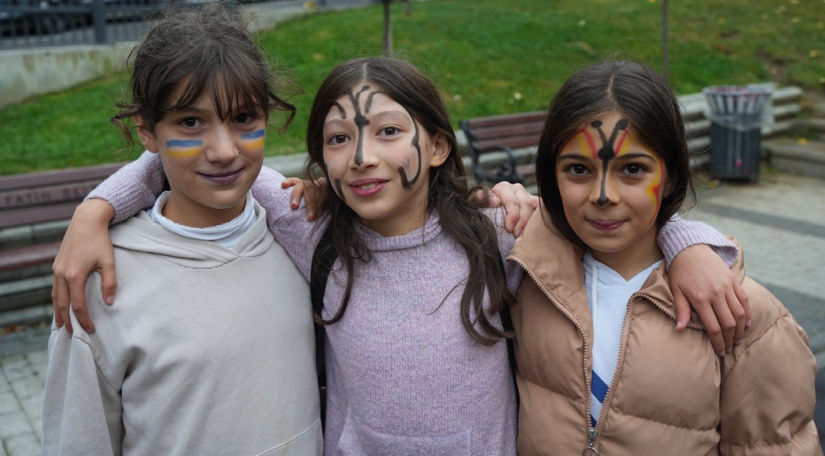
(368, 186)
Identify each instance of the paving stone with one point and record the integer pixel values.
(14, 424)
(23, 445)
(39, 359)
(27, 387)
(33, 407)
(16, 367)
(4, 384)
(8, 402)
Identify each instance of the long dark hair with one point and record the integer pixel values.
(649, 105)
(448, 192)
(208, 49)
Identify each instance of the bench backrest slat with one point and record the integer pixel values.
(22, 181)
(46, 195)
(509, 119)
(42, 214)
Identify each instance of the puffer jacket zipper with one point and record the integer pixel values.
(592, 433)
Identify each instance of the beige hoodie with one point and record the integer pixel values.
(207, 350)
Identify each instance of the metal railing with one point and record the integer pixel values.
(40, 23)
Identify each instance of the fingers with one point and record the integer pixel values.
(682, 310)
(56, 284)
(742, 296)
(712, 328)
(108, 280)
(738, 313)
(63, 300)
(526, 207)
(726, 321)
(77, 293)
(298, 190)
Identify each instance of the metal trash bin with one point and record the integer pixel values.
(737, 115)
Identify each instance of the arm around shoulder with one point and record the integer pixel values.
(768, 394)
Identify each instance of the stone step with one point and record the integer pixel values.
(806, 157)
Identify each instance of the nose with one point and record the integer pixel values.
(223, 146)
(366, 154)
(603, 192)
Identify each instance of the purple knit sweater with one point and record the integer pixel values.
(404, 377)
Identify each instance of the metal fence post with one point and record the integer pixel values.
(99, 18)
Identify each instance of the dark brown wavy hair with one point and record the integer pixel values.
(448, 192)
(649, 105)
(209, 50)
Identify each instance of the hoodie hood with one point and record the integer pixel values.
(141, 234)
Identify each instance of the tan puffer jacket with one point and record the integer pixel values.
(670, 395)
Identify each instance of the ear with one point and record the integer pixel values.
(441, 150)
(147, 138)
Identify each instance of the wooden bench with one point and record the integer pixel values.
(29, 202)
(503, 134)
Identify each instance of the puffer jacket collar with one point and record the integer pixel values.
(554, 263)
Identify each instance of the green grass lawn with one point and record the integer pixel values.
(489, 57)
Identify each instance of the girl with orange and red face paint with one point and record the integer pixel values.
(599, 369)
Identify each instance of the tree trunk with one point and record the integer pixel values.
(407, 7)
(665, 42)
(387, 29)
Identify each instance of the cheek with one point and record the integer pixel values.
(253, 142)
(184, 148)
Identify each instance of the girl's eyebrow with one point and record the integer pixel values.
(389, 115)
(334, 123)
(574, 156)
(637, 155)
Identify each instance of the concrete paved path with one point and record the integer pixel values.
(780, 222)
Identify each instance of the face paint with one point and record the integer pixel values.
(340, 190)
(254, 140)
(611, 148)
(656, 187)
(184, 148)
(406, 182)
(360, 121)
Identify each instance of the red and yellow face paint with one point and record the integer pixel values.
(654, 189)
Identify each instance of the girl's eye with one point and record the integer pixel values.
(577, 170)
(390, 131)
(244, 118)
(337, 139)
(190, 122)
(634, 169)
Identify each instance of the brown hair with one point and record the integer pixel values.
(447, 195)
(208, 49)
(649, 105)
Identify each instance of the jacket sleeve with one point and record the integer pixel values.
(81, 410)
(768, 394)
(679, 234)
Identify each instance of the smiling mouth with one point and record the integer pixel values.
(606, 225)
(223, 178)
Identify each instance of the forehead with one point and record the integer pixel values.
(369, 101)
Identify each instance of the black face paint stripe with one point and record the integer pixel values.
(360, 122)
(607, 153)
(340, 109)
(340, 190)
(406, 182)
(369, 101)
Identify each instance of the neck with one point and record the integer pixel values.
(186, 212)
(634, 259)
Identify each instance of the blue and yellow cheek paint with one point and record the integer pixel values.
(253, 141)
(184, 148)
